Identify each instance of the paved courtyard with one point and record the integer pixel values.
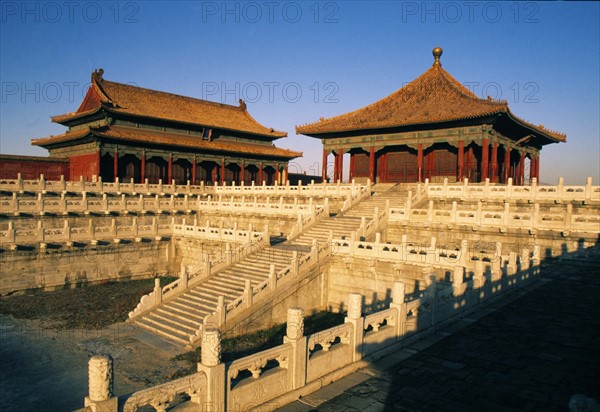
(529, 352)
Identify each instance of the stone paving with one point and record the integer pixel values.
(529, 352)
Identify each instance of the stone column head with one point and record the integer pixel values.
(101, 378)
(211, 347)
(295, 323)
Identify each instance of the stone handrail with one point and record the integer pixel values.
(305, 222)
(251, 243)
(353, 198)
(311, 189)
(426, 255)
(376, 224)
(534, 192)
(160, 397)
(125, 204)
(303, 361)
(42, 185)
(66, 233)
(532, 220)
(297, 270)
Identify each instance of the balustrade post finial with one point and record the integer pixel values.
(211, 347)
(101, 384)
(295, 324)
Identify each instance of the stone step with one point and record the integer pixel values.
(197, 303)
(171, 323)
(193, 316)
(192, 309)
(180, 338)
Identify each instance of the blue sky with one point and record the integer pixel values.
(296, 61)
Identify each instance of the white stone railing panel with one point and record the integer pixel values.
(533, 192)
(161, 397)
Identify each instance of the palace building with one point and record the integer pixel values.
(433, 128)
(124, 131)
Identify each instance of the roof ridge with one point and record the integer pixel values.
(241, 107)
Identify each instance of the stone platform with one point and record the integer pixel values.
(531, 351)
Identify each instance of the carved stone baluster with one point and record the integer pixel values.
(355, 317)
(214, 370)
(295, 336)
(101, 378)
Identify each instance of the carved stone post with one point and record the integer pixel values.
(221, 311)
(214, 397)
(272, 278)
(294, 263)
(398, 294)
(228, 253)
(157, 292)
(358, 322)
(183, 278)
(295, 336)
(248, 295)
(101, 378)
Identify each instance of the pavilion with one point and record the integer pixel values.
(433, 128)
(125, 131)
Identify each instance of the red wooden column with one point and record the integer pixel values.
(143, 167)
(351, 174)
(372, 164)
(98, 163)
(420, 162)
(194, 170)
(116, 164)
(494, 165)
(335, 167)
(522, 169)
(461, 160)
(324, 166)
(384, 177)
(213, 173)
(260, 174)
(170, 169)
(222, 170)
(506, 163)
(485, 154)
(242, 171)
(341, 166)
(532, 168)
(537, 167)
(278, 174)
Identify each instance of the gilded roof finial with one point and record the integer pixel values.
(437, 53)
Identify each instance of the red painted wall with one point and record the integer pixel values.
(31, 167)
(84, 165)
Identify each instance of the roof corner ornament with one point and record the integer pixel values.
(97, 75)
(242, 104)
(437, 53)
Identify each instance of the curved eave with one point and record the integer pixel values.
(286, 154)
(552, 136)
(275, 135)
(53, 141)
(316, 134)
(65, 119)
